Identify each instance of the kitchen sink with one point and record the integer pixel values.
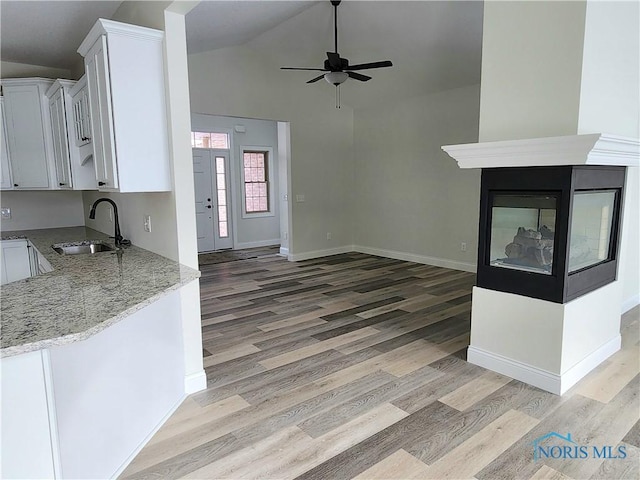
(82, 248)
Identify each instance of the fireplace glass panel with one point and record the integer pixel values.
(522, 232)
(591, 221)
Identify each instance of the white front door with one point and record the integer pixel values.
(212, 181)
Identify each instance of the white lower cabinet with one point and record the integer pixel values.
(16, 261)
(27, 427)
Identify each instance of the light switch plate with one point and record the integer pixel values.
(147, 223)
(5, 213)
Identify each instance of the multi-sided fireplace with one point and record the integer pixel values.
(549, 232)
(546, 308)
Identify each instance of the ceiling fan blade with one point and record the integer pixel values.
(365, 66)
(314, 80)
(303, 68)
(334, 60)
(358, 76)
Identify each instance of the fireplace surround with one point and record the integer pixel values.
(549, 232)
(546, 308)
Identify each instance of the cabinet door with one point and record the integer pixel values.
(5, 171)
(60, 145)
(26, 136)
(81, 118)
(16, 263)
(98, 83)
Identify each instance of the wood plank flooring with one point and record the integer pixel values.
(353, 366)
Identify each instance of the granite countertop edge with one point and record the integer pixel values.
(187, 275)
(90, 332)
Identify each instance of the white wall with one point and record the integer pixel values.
(609, 93)
(19, 70)
(32, 209)
(531, 69)
(409, 195)
(248, 231)
(131, 209)
(610, 103)
(240, 82)
(581, 76)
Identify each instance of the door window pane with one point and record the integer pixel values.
(209, 140)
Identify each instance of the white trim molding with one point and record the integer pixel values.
(629, 303)
(512, 368)
(143, 444)
(587, 149)
(297, 257)
(284, 252)
(195, 382)
(104, 27)
(260, 243)
(412, 257)
(549, 381)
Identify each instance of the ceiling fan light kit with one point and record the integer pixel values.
(338, 68)
(336, 78)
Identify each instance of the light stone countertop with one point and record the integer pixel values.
(84, 294)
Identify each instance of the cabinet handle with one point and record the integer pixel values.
(62, 184)
(208, 206)
(16, 185)
(84, 139)
(102, 183)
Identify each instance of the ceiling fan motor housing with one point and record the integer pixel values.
(344, 64)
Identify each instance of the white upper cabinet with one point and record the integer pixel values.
(72, 170)
(81, 116)
(5, 171)
(58, 115)
(124, 66)
(28, 131)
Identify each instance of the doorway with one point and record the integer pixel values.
(212, 182)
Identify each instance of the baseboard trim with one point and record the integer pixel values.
(574, 374)
(412, 257)
(512, 368)
(551, 382)
(259, 243)
(297, 257)
(135, 453)
(284, 252)
(195, 382)
(630, 303)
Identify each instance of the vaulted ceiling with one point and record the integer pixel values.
(434, 45)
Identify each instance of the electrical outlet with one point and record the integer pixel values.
(463, 247)
(328, 235)
(285, 197)
(5, 213)
(147, 223)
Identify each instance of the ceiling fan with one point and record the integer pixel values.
(337, 68)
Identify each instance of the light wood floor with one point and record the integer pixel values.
(353, 366)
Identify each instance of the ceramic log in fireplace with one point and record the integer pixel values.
(549, 232)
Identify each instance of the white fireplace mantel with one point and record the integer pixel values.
(588, 149)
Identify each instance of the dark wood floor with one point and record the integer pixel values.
(354, 366)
